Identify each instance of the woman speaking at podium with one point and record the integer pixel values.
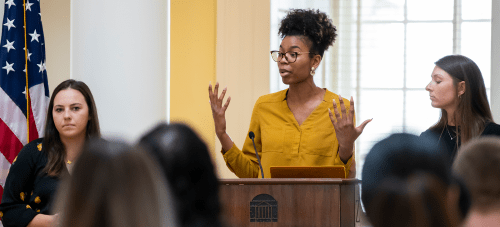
(303, 125)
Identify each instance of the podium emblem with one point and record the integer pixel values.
(263, 208)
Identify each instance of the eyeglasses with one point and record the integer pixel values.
(290, 56)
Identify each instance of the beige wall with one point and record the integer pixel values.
(234, 29)
(192, 64)
(56, 28)
(242, 64)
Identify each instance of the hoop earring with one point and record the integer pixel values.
(312, 71)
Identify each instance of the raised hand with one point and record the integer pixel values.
(344, 126)
(218, 110)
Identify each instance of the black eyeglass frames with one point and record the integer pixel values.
(290, 56)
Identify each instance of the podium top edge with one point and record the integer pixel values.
(277, 181)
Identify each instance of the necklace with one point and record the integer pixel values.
(450, 133)
(69, 166)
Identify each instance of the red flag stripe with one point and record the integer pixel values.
(1, 191)
(9, 144)
(4, 163)
(33, 132)
(13, 117)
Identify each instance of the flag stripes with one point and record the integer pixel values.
(24, 91)
(13, 117)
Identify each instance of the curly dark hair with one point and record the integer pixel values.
(313, 24)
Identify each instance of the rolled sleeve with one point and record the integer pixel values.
(350, 165)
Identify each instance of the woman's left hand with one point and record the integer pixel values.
(344, 125)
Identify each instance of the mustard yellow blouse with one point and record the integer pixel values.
(281, 141)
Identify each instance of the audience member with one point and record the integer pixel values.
(418, 200)
(114, 185)
(457, 88)
(407, 183)
(478, 164)
(36, 171)
(186, 162)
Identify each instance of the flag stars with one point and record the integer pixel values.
(8, 67)
(29, 54)
(9, 24)
(41, 66)
(34, 36)
(10, 3)
(9, 45)
(28, 5)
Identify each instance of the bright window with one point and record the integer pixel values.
(384, 55)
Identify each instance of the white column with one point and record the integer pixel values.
(495, 60)
(119, 49)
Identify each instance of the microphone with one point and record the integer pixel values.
(252, 136)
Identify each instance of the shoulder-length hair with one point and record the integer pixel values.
(187, 165)
(52, 142)
(473, 112)
(419, 200)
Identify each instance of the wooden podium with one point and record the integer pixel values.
(290, 201)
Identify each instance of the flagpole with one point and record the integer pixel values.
(26, 69)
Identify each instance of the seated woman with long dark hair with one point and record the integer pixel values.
(457, 88)
(35, 174)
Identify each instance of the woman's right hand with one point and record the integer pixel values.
(44, 220)
(218, 110)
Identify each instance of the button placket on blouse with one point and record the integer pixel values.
(296, 141)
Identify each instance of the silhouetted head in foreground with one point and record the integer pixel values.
(186, 162)
(478, 164)
(114, 184)
(408, 182)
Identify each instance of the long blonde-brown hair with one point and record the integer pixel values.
(473, 111)
(114, 184)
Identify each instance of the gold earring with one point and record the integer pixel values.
(312, 71)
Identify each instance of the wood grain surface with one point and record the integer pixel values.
(301, 202)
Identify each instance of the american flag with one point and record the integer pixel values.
(21, 46)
